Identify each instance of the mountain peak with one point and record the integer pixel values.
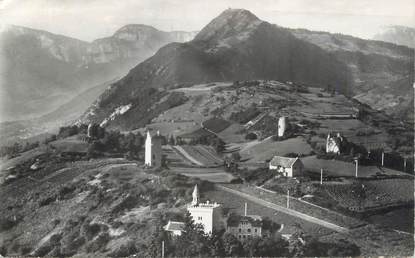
(229, 23)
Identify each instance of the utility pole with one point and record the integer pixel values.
(383, 158)
(404, 164)
(288, 199)
(321, 176)
(162, 249)
(357, 166)
(246, 209)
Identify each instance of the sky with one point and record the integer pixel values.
(91, 19)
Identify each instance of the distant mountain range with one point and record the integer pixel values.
(41, 70)
(399, 35)
(238, 46)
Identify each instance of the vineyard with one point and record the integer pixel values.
(365, 195)
(200, 155)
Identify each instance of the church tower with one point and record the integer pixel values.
(195, 196)
(153, 152)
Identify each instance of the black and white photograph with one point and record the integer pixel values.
(207, 128)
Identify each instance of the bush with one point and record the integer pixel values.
(251, 136)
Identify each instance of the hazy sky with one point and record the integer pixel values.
(91, 19)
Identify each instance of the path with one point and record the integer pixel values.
(285, 210)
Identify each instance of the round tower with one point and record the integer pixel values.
(282, 126)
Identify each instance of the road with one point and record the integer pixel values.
(285, 210)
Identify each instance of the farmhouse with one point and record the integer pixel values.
(209, 215)
(174, 227)
(153, 152)
(290, 167)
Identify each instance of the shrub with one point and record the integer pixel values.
(251, 136)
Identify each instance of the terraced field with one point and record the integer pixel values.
(200, 155)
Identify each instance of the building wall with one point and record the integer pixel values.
(204, 216)
(156, 155)
(244, 231)
(153, 152)
(282, 125)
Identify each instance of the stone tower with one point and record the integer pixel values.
(208, 214)
(153, 152)
(282, 126)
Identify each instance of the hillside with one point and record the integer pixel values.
(382, 73)
(399, 35)
(41, 70)
(236, 46)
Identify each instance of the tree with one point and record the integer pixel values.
(193, 241)
(172, 141)
(219, 145)
(157, 237)
(231, 245)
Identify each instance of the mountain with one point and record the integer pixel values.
(399, 35)
(41, 70)
(382, 73)
(238, 46)
(234, 46)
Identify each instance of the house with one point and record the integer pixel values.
(153, 152)
(208, 214)
(290, 167)
(334, 144)
(174, 227)
(244, 227)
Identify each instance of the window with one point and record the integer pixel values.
(240, 230)
(199, 218)
(244, 236)
(154, 156)
(249, 230)
(256, 230)
(239, 236)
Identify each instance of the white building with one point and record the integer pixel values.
(289, 167)
(174, 227)
(153, 152)
(334, 143)
(282, 126)
(209, 215)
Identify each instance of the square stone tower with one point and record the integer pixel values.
(153, 151)
(209, 215)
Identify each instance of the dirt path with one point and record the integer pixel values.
(285, 210)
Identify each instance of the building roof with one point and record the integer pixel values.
(174, 226)
(283, 161)
(234, 220)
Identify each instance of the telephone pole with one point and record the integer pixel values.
(162, 249)
(288, 199)
(357, 166)
(383, 158)
(321, 176)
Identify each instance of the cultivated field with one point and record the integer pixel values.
(266, 149)
(214, 175)
(336, 168)
(200, 155)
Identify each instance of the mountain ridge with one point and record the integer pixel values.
(41, 69)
